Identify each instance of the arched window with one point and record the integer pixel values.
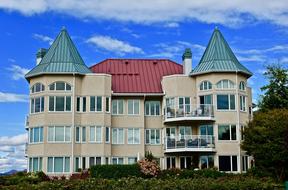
(38, 87)
(225, 84)
(205, 85)
(242, 85)
(60, 86)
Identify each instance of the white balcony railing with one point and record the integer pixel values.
(27, 121)
(191, 111)
(190, 143)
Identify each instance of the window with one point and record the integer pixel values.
(227, 163)
(225, 84)
(227, 132)
(226, 102)
(94, 161)
(35, 164)
(96, 134)
(133, 107)
(170, 162)
(58, 164)
(95, 103)
(242, 103)
(38, 87)
(170, 102)
(242, 85)
(117, 107)
(77, 164)
(152, 108)
(37, 105)
(132, 160)
(117, 160)
(244, 163)
(80, 134)
(133, 136)
(107, 134)
(107, 104)
(60, 86)
(206, 162)
(81, 103)
(59, 134)
(152, 136)
(184, 104)
(59, 103)
(205, 85)
(36, 135)
(118, 136)
(242, 128)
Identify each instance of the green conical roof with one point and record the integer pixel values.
(61, 58)
(218, 57)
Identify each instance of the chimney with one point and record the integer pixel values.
(40, 54)
(187, 61)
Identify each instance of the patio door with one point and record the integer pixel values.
(185, 132)
(184, 104)
(171, 132)
(206, 132)
(185, 162)
(206, 99)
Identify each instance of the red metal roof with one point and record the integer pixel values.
(137, 75)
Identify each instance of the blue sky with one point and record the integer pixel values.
(256, 32)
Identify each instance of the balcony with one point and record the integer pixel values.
(190, 143)
(191, 112)
(27, 122)
(26, 149)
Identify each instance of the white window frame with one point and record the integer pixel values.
(39, 167)
(229, 102)
(95, 103)
(109, 136)
(95, 134)
(220, 84)
(154, 104)
(117, 106)
(205, 85)
(134, 111)
(242, 86)
(109, 104)
(34, 107)
(29, 135)
(65, 88)
(130, 158)
(33, 88)
(65, 100)
(230, 132)
(117, 160)
(118, 140)
(243, 105)
(54, 134)
(63, 167)
(150, 139)
(133, 135)
(231, 162)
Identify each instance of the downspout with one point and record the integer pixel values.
(72, 127)
(238, 122)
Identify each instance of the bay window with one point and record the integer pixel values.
(96, 134)
(226, 102)
(37, 105)
(133, 136)
(36, 135)
(58, 164)
(133, 107)
(117, 136)
(59, 134)
(227, 163)
(152, 136)
(242, 103)
(152, 108)
(227, 132)
(117, 107)
(35, 164)
(60, 103)
(96, 103)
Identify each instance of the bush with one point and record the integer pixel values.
(150, 168)
(115, 171)
(189, 173)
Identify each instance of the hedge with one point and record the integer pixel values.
(115, 171)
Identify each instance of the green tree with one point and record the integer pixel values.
(266, 138)
(276, 91)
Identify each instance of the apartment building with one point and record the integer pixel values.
(116, 110)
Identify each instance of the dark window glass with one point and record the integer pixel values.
(32, 106)
(92, 103)
(60, 86)
(223, 132)
(98, 160)
(222, 102)
(77, 134)
(168, 162)
(68, 103)
(107, 104)
(37, 105)
(232, 102)
(234, 163)
(68, 87)
(83, 163)
(84, 104)
(99, 103)
(52, 86)
(78, 104)
(60, 103)
(107, 139)
(233, 132)
(224, 163)
(42, 104)
(91, 161)
(51, 103)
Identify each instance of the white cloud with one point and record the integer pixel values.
(171, 25)
(12, 97)
(226, 12)
(113, 45)
(18, 72)
(14, 150)
(43, 38)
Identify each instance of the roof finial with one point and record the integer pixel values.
(63, 28)
(216, 27)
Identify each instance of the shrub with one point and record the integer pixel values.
(114, 171)
(42, 176)
(83, 175)
(149, 168)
